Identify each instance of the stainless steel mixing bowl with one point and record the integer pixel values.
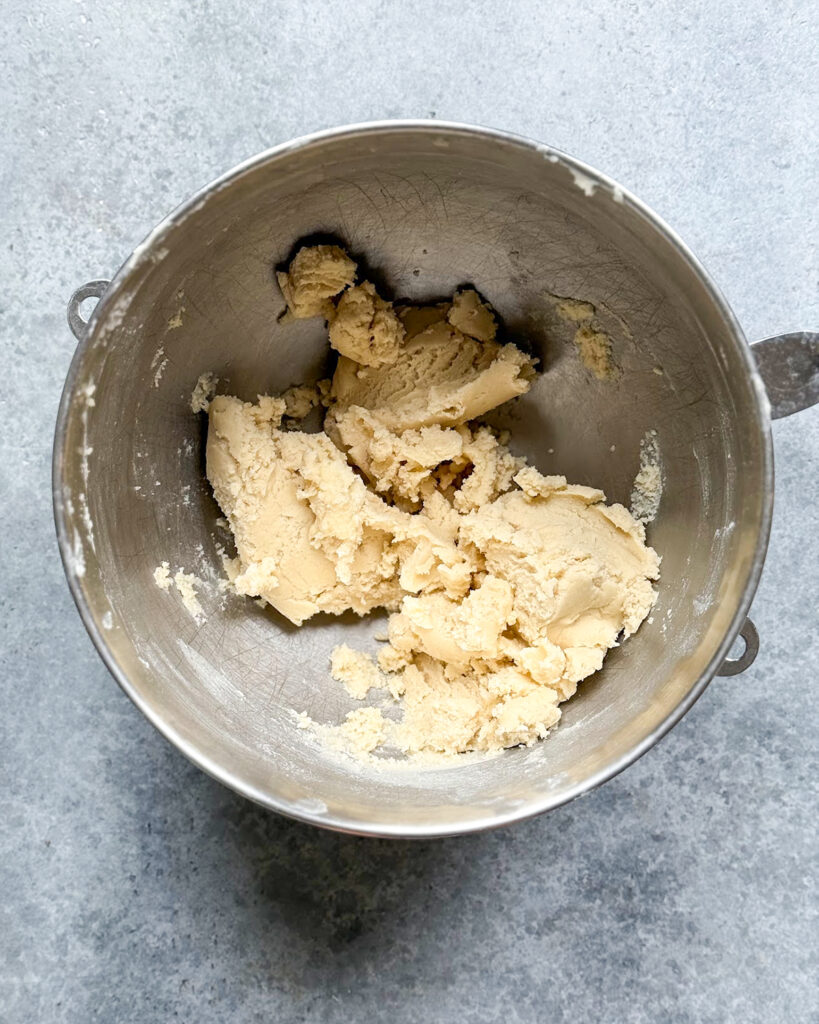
(430, 206)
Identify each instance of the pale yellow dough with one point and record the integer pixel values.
(441, 377)
(565, 575)
(365, 328)
(316, 275)
(595, 352)
(299, 401)
(506, 587)
(472, 316)
(593, 345)
(356, 670)
(309, 534)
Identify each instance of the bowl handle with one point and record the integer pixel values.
(733, 666)
(91, 290)
(789, 365)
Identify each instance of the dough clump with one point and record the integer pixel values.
(595, 352)
(441, 377)
(593, 345)
(315, 276)
(506, 587)
(365, 327)
(472, 316)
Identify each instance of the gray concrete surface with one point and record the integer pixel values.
(136, 889)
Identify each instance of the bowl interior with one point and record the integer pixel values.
(427, 208)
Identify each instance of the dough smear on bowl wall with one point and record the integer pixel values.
(506, 587)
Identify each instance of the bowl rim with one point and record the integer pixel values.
(582, 172)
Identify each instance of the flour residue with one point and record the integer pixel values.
(185, 584)
(648, 484)
(85, 451)
(158, 364)
(586, 184)
(77, 556)
(176, 320)
(203, 392)
(220, 686)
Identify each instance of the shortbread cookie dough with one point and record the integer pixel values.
(595, 352)
(564, 577)
(203, 392)
(356, 670)
(467, 465)
(317, 274)
(441, 377)
(593, 344)
(505, 587)
(300, 401)
(472, 316)
(309, 534)
(365, 328)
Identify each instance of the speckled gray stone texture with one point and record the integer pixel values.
(136, 889)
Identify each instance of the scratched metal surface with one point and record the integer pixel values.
(135, 887)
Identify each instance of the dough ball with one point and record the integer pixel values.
(365, 328)
(472, 316)
(316, 274)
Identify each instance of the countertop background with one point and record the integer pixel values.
(134, 888)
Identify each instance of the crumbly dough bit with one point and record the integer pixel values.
(456, 708)
(645, 498)
(162, 576)
(185, 583)
(365, 328)
(361, 731)
(316, 275)
(443, 710)
(441, 377)
(524, 714)
(429, 554)
(300, 400)
(203, 392)
(468, 466)
(472, 316)
(574, 310)
(489, 471)
(593, 345)
(595, 352)
(356, 670)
